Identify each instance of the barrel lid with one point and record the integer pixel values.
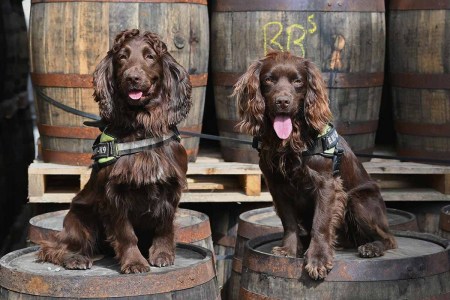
(263, 221)
(51, 221)
(397, 216)
(258, 222)
(191, 226)
(418, 255)
(20, 272)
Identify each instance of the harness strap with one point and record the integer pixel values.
(326, 145)
(106, 149)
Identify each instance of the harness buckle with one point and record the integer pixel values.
(337, 158)
(104, 150)
(330, 139)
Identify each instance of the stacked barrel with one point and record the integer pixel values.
(346, 39)
(69, 38)
(419, 49)
(192, 276)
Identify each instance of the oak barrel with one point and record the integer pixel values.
(418, 269)
(253, 223)
(191, 227)
(69, 38)
(263, 221)
(419, 49)
(346, 39)
(191, 277)
(401, 220)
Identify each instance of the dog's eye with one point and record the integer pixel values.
(122, 57)
(298, 83)
(268, 80)
(149, 56)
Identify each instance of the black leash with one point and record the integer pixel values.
(80, 113)
(215, 137)
(221, 138)
(64, 107)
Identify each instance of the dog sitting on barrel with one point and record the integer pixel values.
(130, 200)
(321, 192)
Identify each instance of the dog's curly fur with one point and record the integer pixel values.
(318, 210)
(131, 204)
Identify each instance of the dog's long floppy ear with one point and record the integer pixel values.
(317, 111)
(178, 88)
(176, 83)
(104, 86)
(250, 101)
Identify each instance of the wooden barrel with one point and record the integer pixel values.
(191, 277)
(191, 227)
(418, 269)
(444, 222)
(419, 43)
(263, 221)
(401, 220)
(346, 39)
(69, 38)
(253, 223)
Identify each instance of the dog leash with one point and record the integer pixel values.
(64, 107)
(97, 118)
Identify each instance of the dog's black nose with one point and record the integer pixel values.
(283, 101)
(133, 78)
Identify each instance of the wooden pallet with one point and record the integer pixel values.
(405, 181)
(57, 183)
(212, 180)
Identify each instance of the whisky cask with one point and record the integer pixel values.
(345, 38)
(69, 38)
(419, 67)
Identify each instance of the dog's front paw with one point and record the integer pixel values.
(318, 271)
(76, 262)
(374, 249)
(319, 265)
(282, 251)
(161, 258)
(135, 267)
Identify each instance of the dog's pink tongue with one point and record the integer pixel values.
(135, 95)
(282, 126)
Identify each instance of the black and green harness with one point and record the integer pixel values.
(326, 145)
(107, 150)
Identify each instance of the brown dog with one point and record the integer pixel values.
(131, 197)
(320, 190)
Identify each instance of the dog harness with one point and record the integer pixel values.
(107, 150)
(326, 145)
